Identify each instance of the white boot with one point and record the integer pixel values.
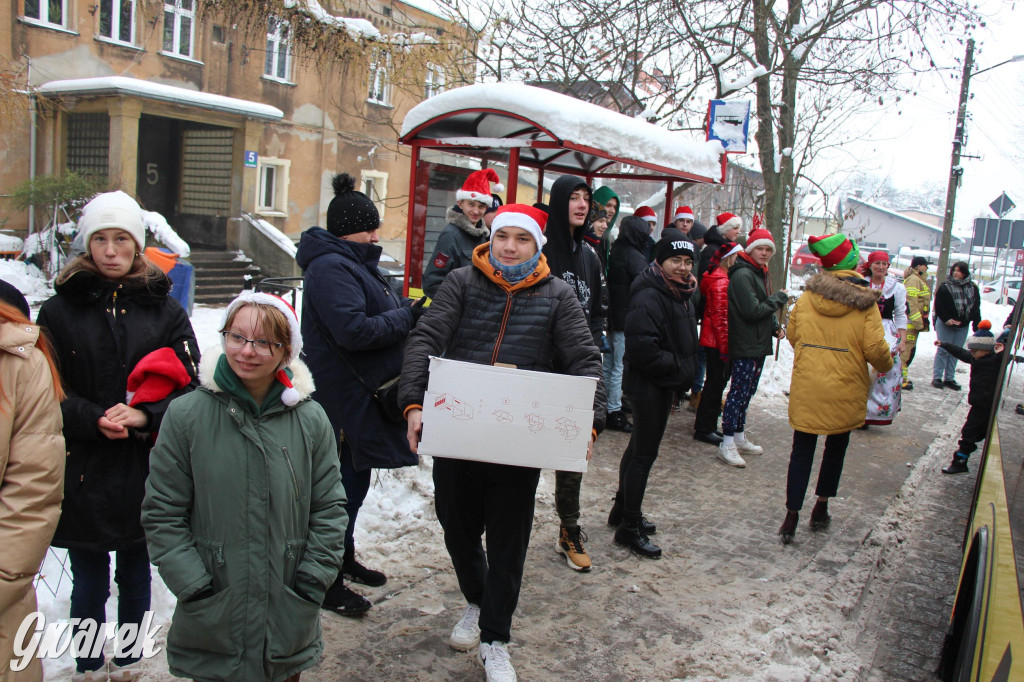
(466, 633)
(728, 454)
(745, 447)
(496, 662)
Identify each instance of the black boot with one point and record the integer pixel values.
(615, 518)
(819, 516)
(355, 572)
(629, 535)
(617, 421)
(788, 528)
(957, 466)
(343, 601)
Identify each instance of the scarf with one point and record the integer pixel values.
(457, 218)
(679, 288)
(514, 273)
(764, 269)
(229, 382)
(962, 291)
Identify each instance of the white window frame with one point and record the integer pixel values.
(279, 47)
(44, 14)
(379, 90)
(179, 13)
(379, 183)
(115, 22)
(434, 83)
(279, 202)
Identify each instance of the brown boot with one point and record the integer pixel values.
(694, 401)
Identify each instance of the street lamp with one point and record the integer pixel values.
(955, 169)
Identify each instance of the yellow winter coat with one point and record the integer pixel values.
(835, 330)
(31, 481)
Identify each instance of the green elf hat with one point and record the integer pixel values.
(835, 251)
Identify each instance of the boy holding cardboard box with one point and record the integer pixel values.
(507, 308)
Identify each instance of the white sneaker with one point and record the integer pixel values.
(729, 455)
(466, 633)
(125, 673)
(497, 663)
(745, 447)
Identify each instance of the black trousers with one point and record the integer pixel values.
(801, 461)
(710, 407)
(975, 429)
(651, 407)
(471, 498)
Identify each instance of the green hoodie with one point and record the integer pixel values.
(602, 195)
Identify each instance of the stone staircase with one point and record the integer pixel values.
(221, 275)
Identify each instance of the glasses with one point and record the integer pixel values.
(262, 346)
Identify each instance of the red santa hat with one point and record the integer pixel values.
(290, 396)
(477, 187)
(759, 237)
(728, 221)
(684, 212)
(156, 376)
(647, 213)
(531, 219)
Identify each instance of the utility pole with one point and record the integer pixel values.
(955, 170)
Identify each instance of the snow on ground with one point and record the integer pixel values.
(398, 514)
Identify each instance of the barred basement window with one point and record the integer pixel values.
(89, 144)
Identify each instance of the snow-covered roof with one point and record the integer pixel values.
(121, 85)
(356, 28)
(564, 133)
(892, 213)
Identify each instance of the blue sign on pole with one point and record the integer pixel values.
(250, 159)
(729, 123)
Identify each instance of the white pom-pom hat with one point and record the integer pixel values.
(290, 396)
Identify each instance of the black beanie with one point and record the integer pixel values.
(698, 230)
(350, 211)
(918, 261)
(673, 243)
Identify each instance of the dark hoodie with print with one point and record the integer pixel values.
(569, 259)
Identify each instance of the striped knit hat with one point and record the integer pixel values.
(835, 251)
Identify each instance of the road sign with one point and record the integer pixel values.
(1002, 205)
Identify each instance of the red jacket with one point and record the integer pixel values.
(714, 332)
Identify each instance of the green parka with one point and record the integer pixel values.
(248, 505)
(752, 321)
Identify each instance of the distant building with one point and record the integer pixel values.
(876, 228)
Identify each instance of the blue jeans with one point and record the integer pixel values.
(90, 571)
(944, 365)
(613, 370)
(702, 368)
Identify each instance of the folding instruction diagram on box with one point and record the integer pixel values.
(507, 416)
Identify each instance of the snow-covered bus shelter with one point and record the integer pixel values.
(516, 125)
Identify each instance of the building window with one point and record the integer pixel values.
(279, 48)
(272, 191)
(179, 22)
(375, 186)
(46, 11)
(435, 80)
(117, 20)
(380, 82)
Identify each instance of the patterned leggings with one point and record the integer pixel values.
(746, 372)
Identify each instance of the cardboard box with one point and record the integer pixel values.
(507, 416)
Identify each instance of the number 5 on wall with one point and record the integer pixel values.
(152, 176)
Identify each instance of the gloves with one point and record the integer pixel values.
(606, 346)
(417, 309)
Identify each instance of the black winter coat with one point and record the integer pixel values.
(627, 260)
(984, 374)
(569, 259)
(945, 310)
(537, 325)
(100, 330)
(349, 309)
(712, 241)
(454, 249)
(661, 335)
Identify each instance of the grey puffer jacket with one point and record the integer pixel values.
(536, 324)
(453, 250)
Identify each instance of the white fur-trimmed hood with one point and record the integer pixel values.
(302, 378)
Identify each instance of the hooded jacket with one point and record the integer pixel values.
(627, 260)
(835, 330)
(454, 248)
(984, 374)
(752, 322)
(602, 195)
(250, 505)
(712, 240)
(31, 480)
(661, 334)
(347, 307)
(100, 329)
(535, 324)
(714, 330)
(568, 258)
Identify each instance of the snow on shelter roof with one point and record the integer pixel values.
(556, 131)
(121, 85)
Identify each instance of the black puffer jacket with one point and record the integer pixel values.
(661, 334)
(627, 260)
(100, 330)
(476, 317)
(569, 259)
(984, 374)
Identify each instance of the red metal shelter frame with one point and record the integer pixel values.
(530, 144)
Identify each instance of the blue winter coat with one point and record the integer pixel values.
(345, 297)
